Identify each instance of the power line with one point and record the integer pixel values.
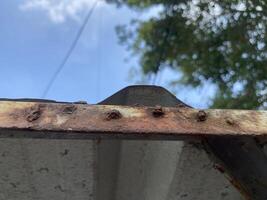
(69, 52)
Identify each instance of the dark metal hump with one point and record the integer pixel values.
(143, 95)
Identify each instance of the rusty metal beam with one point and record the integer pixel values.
(61, 120)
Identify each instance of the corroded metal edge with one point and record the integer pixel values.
(137, 122)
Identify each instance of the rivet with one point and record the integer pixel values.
(201, 116)
(113, 114)
(158, 111)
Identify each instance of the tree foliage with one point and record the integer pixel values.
(223, 42)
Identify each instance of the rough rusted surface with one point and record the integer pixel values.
(135, 122)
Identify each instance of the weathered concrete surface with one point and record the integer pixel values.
(149, 170)
(47, 169)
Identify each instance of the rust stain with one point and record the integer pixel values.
(98, 141)
(219, 168)
(230, 121)
(240, 188)
(233, 181)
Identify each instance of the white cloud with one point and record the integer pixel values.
(60, 10)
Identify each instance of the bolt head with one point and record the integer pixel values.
(158, 111)
(201, 116)
(113, 114)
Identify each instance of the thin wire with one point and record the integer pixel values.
(69, 52)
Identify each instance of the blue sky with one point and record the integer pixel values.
(35, 36)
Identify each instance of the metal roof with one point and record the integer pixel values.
(47, 151)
